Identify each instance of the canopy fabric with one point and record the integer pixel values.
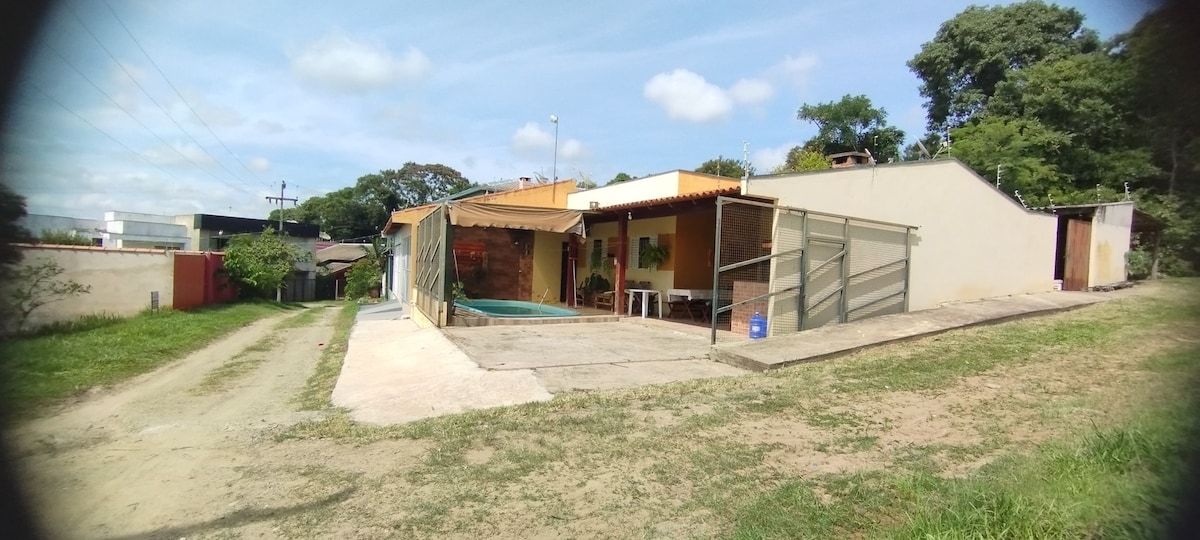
(473, 214)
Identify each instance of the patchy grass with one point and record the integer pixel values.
(249, 358)
(1071, 425)
(66, 360)
(320, 385)
(310, 316)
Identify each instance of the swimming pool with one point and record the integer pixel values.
(512, 308)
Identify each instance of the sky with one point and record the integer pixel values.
(207, 105)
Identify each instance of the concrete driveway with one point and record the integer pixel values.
(624, 354)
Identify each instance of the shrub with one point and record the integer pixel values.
(361, 278)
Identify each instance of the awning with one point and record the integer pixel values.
(473, 214)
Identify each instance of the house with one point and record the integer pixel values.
(532, 258)
(334, 260)
(972, 241)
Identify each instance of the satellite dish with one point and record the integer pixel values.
(540, 179)
(924, 151)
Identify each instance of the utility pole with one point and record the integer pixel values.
(281, 199)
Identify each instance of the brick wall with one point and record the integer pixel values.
(745, 290)
(508, 272)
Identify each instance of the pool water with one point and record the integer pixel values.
(513, 308)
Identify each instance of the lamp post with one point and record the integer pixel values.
(554, 171)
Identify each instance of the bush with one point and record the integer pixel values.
(260, 263)
(64, 238)
(361, 278)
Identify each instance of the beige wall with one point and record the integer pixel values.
(659, 279)
(541, 196)
(650, 187)
(121, 280)
(1110, 244)
(694, 182)
(973, 241)
(547, 266)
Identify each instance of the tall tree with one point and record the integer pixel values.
(800, 159)
(978, 48)
(727, 167)
(852, 124)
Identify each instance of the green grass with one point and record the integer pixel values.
(241, 364)
(60, 362)
(317, 390)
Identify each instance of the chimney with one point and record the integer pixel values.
(522, 182)
(848, 159)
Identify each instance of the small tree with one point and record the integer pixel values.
(37, 284)
(260, 263)
(362, 276)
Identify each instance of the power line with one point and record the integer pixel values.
(144, 91)
(181, 98)
(134, 118)
(105, 133)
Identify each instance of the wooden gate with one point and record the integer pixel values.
(433, 241)
(1078, 259)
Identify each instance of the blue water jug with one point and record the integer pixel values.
(758, 326)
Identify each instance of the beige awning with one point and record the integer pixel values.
(472, 214)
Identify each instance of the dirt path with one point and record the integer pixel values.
(164, 451)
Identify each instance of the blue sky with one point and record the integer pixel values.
(321, 93)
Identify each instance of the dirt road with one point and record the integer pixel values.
(164, 456)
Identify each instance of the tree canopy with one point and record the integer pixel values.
(259, 263)
(727, 167)
(362, 210)
(620, 177)
(852, 124)
(977, 49)
(800, 159)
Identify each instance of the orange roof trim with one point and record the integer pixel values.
(677, 198)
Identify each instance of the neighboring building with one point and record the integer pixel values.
(335, 260)
(135, 230)
(657, 186)
(37, 224)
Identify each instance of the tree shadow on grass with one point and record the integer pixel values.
(241, 517)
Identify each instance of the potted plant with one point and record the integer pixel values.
(653, 255)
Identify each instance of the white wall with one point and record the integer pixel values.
(401, 263)
(650, 187)
(1110, 243)
(973, 242)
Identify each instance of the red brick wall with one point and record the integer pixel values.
(508, 272)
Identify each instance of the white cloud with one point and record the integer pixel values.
(532, 141)
(212, 114)
(687, 96)
(346, 64)
(795, 69)
(178, 154)
(766, 159)
(751, 91)
(259, 164)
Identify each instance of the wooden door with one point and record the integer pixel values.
(1079, 240)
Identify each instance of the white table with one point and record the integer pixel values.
(645, 298)
(691, 294)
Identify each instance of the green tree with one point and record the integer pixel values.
(727, 167)
(362, 276)
(64, 238)
(852, 124)
(800, 159)
(976, 50)
(260, 263)
(1025, 150)
(620, 177)
(933, 144)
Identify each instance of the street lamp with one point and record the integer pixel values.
(554, 171)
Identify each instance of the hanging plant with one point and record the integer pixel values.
(652, 256)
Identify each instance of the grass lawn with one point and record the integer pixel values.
(60, 362)
(1069, 426)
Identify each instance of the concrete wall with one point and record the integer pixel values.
(1110, 243)
(121, 280)
(973, 242)
(694, 182)
(650, 187)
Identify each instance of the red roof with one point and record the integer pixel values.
(674, 199)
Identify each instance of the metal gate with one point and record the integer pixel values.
(433, 235)
(804, 269)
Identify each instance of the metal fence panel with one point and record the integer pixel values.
(804, 269)
(430, 266)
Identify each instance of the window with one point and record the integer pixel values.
(635, 254)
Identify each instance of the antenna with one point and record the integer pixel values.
(745, 160)
(924, 151)
(540, 178)
(1097, 192)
